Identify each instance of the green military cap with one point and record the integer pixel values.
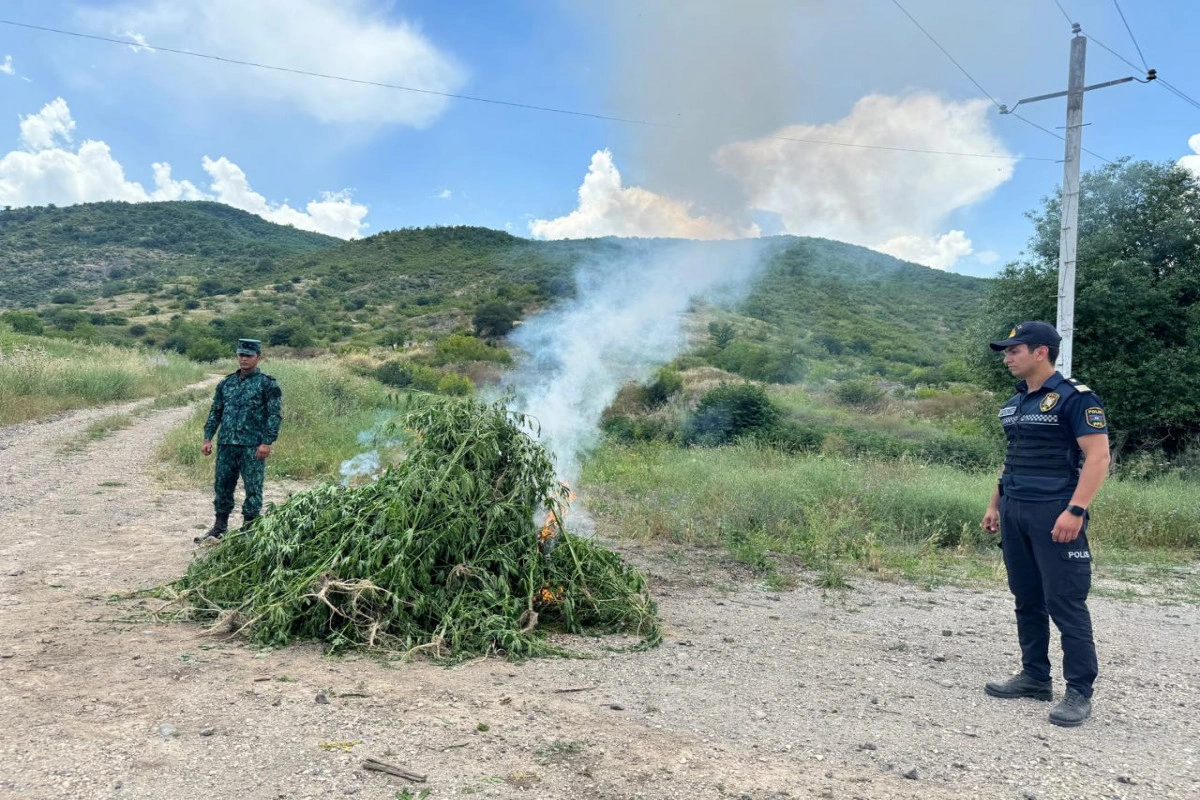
(249, 347)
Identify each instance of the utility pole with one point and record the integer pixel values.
(1069, 230)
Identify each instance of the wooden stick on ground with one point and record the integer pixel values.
(391, 769)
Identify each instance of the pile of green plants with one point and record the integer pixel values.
(445, 552)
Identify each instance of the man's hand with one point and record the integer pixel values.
(206, 448)
(991, 520)
(262, 452)
(1066, 528)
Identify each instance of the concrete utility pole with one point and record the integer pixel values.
(1069, 230)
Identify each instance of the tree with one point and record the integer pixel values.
(1137, 320)
(495, 319)
(721, 333)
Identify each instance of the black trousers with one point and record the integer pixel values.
(1049, 581)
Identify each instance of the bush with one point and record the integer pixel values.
(860, 393)
(458, 349)
(205, 350)
(495, 319)
(64, 298)
(667, 382)
(291, 334)
(24, 322)
(455, 385)
(729, 411)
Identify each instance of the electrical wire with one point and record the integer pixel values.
(953, 61)
(477, 99)
(1164, 84)
(985, 91)
(1132, 38)
(1064, 13)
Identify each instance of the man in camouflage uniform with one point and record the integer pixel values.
(248, 409)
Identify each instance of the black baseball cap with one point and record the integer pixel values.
(1032, 334)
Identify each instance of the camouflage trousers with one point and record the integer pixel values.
(235, 460)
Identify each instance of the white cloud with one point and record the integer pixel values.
(444, 194)
(939, 252)
(48, 171)
(1192, 162)
(47, 128)
(987, 257)
(7, 67)
(606, 208)
(335, 213)
(876, 198)
(141, 46)
(354, 38)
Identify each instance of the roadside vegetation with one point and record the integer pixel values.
(40, 377)
(329, 415)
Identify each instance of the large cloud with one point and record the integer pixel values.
(48, 171)
(351, 38)
(607, 208)
(893, 201)
(1192, 162)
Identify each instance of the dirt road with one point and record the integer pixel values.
(873, 693)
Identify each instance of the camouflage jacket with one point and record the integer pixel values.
(247, 410)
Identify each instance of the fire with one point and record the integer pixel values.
(552, 525)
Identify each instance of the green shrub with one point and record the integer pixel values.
(459, 349)
(860, 393)
(729, 411)
(667, 382)
(206, 350)
(24, 322)
(455, 385)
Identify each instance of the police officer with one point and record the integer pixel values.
(1057, 459)
(248, 409)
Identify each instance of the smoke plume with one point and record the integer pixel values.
(624, 321)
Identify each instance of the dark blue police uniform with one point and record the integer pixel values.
(1048, 579)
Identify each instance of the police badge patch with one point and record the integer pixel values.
(1049, 401)
(1095, 417)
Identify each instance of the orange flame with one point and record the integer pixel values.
(552, 525)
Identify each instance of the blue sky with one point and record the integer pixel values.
(726, 84)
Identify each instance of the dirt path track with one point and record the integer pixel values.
(753, 695)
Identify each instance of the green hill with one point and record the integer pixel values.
(173, 274)
(113, 248)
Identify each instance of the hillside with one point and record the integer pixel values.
(112, 248)
(174, 274)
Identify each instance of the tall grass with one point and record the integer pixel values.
(325, 408)
(828, 509)
(40, 377)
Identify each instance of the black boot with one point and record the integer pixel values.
(1020, 685)
(1072, 711)
(220, 525)
(247, 519)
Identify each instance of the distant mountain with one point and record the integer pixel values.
(170, 274)
(86, 249)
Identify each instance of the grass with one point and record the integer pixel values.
(897, 519)
(325, 408)
(40, 377)
(101, 428)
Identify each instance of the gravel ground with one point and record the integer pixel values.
(870, 693)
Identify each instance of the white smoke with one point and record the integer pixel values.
(625, 320)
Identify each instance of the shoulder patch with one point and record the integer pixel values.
(1095, 417)
(1079, 387)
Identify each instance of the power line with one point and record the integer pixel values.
(985, 91)
(937, 44)
(307, 73)
(1164, 84)
(1064, 13)
(477, 99)
(1131, 36)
